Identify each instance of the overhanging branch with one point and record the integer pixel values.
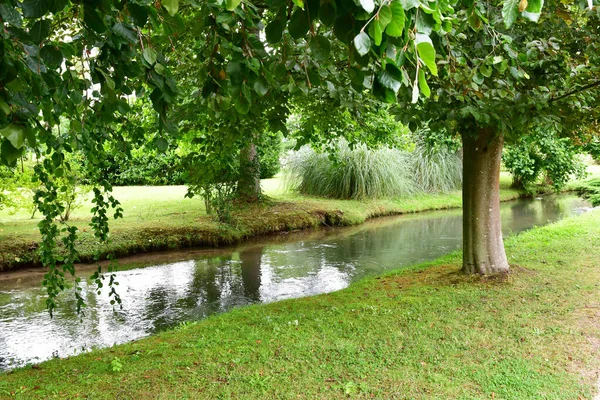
(581, 89)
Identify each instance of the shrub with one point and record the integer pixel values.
(544, 155)
(145, 167)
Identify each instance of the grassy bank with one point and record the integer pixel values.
(160, 218)
(427, 332)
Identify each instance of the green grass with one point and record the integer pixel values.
(428, 332)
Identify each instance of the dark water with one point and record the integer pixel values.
(190, 285)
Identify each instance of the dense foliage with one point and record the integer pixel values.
(543, 155)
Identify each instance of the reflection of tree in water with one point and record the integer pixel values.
(525, 214)
(158, 308)
(251, 262)
(552, 209)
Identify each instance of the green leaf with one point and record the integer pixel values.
(424, 23)
(9, 153)
(510, 12)
(396, 26)
(261, 87)
(161, 144)
(11, 15)
(149, 55)
(94, 20)
(389, 80)
(55, 6)
(533, 10)
(40, 31)
(327, 13)
(4, 107)
(34, 8)
(376, 32)
(314, 77)
(478, 78)
(368, 5)
(139, 14)
(173, 24)
(123, 30)
(299, 24)
(423, 84)
(385, 16)
(172, 6)
(426, 52)
(274, 31)
(362, 42)
(485, 70)
(320, 47)
(408, 4)
(15, 134)
(231, 5)
(474, 21)
(313, 7)
(51, 55)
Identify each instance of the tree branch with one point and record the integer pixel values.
(581, 89)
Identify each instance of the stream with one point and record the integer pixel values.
(162, 290)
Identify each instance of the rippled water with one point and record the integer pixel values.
(160, 291)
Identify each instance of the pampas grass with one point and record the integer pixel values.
(362, 173)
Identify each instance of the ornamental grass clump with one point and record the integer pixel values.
(363, 173)
(436, 170)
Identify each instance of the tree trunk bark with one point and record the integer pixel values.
(483, 248)
(249, 182)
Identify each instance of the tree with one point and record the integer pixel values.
(75, 62)
(467, 68)
(497, 83)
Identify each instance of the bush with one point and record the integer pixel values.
(543, 155)
(361, 172)
(145, 167)
(270, 150)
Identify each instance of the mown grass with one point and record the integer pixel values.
(427, 332)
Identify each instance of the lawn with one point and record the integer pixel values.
(428, 332)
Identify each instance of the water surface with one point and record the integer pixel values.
(160, 291)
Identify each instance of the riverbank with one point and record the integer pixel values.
(425, 332)
(160, 218)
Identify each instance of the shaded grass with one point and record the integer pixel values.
(160, 218)
(590, 189)
(426, 332)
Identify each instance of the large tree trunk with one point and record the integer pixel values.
(483, 248)
(249, 182)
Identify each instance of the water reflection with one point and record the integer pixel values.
(284, 266)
